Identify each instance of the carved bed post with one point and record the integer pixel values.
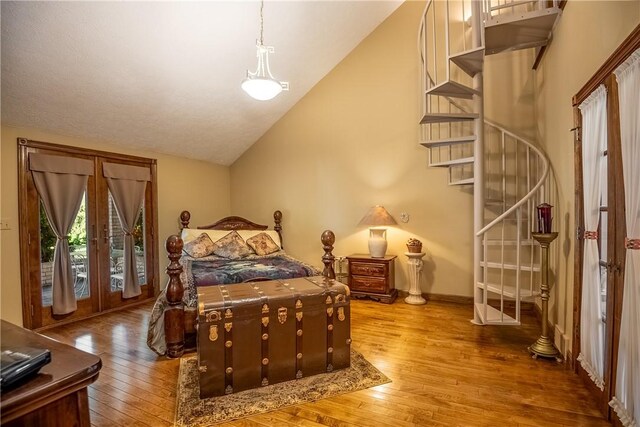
(185, 216)
(277, 218)
(174, 313)
(328, 239)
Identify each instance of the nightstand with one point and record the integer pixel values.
(372, 277)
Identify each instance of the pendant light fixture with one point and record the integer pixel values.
(260, 84)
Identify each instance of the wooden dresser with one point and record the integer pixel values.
(372, 277)
(57, 395)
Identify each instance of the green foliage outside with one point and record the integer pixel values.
(47, 237)
(77, 235)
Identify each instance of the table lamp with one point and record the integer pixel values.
(377, 216)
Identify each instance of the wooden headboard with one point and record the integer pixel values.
(235, 223)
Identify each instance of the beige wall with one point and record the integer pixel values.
(587, 33)
(509, 92)
(351, 143)
(201, 187)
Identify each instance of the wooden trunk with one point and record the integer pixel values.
(254, 334)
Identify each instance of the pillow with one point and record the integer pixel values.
(189, 234)
(262, 244)
(232, 246)
(247, 234)
(200, 247)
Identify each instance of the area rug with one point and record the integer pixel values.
(192, 411)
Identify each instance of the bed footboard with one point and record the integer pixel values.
(179, 322)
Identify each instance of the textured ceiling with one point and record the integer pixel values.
(166, 76)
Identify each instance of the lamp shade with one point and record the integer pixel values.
(377, 215)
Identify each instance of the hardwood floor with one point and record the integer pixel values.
(445, 372)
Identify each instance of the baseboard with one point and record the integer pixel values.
(561, 340)
(460, 299)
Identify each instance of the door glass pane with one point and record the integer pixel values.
(77, 250)
(603, 263)
(116, 245)
(602, 235)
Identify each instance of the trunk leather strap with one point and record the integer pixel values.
(330, 314)
(264, 320)
(227, 318)
(299, 335)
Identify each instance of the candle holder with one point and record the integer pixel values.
(543, 347)
(544, 218)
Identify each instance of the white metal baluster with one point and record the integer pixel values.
(464, 29)
(504, 174)
(485, 280)
(435, 47)
(530, 221)
(518, 248)
(502, 269)
(447, 48)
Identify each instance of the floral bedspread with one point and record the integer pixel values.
(207, 273)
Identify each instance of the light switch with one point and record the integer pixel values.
(4, 224)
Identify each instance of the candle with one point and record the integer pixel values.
(544, 218)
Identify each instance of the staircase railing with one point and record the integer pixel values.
(519, 176)
(496, 8)
(509, 234)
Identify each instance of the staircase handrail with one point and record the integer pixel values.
(531, 193)
(518, 139)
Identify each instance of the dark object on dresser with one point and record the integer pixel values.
(180, 321)
(57, 395)
(17, 363)
(255, 334)
(372, 277)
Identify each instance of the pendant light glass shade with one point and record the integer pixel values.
(260, 84)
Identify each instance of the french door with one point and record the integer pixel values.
(95, 239)
(610, 236)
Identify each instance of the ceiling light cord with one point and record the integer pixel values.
(261, 23)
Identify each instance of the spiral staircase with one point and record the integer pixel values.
(508, 174)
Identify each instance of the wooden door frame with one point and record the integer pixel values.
(28, 204)
(604, 76)
(24, 147)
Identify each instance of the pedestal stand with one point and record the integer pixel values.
(415, 268)
(543, 347)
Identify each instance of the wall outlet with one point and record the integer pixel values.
(4, 224)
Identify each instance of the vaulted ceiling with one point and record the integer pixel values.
(166, 76)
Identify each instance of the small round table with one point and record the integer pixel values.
(415, 269)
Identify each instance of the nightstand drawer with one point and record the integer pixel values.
(366, 269)
(368, 284)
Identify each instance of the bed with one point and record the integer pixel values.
(172, 320)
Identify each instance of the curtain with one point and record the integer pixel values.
(594, 143)
(127, 185)
(626, 401)
(61, 182)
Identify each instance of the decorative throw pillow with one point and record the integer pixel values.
(200, 247)
(263, 244)
(232, 246)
